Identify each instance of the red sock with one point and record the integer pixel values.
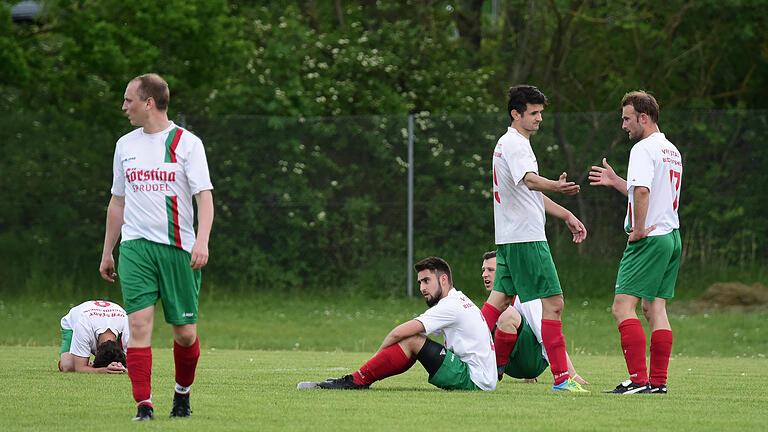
(661, 348)
(185, 359)
(633, 344)
(139, 363)
(505, 343)
(390, 361)
(491, 315)
(554, 344)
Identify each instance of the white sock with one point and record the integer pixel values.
(181, 390)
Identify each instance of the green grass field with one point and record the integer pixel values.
(256, 349)
(256, 390)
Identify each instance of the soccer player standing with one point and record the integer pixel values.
(649, 266)
(157, 169)
(524, 262)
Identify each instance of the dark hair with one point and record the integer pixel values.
(435, 264)
(108, 352)
(522, 95)
(153, 86)
(643, 103)
(489, 255)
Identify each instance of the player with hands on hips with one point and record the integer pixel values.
(649, 266)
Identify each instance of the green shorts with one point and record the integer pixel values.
(150, 270)
(526, 270)
(649, 267)
(526, 359)
(453, 374)
(66, 340)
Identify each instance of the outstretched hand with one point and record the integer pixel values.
(603, 176)
(566, 187)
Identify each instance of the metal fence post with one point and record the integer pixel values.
(408, 275)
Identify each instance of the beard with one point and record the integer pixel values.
(432, 300)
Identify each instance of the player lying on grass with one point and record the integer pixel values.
(95, 327)
(517, 337)
(466, 362)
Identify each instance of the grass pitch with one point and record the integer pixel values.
(256, 349)
(256, 390)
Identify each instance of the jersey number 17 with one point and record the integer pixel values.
(674, 178)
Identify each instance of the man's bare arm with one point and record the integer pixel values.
(114, 224)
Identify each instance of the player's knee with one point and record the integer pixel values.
(647, 310)
(618, 312)
(509, 321)
(412, 345)
(553, 305)
(185, 339)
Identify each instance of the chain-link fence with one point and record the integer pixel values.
(323, 202)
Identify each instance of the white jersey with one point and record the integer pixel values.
(655, 163)
(90, 319)
(532, 312)
(460, 322)
(158, 174)
(518, 212)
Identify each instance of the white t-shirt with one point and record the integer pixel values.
(532, 312)
(655, 163)
(90, 319)
(158, 174)
(518, 212)
(460, 322)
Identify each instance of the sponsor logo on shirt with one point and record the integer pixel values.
(135, 174)
(158, 175)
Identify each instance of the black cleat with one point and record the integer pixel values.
(146, 412)
(344, 383)
(628, 387)
(181, 406)
(662, 389)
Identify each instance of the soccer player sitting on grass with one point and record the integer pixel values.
(466, 362)
(95, 327)
(517, 337)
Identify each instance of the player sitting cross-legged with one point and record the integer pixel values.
(465, 362)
